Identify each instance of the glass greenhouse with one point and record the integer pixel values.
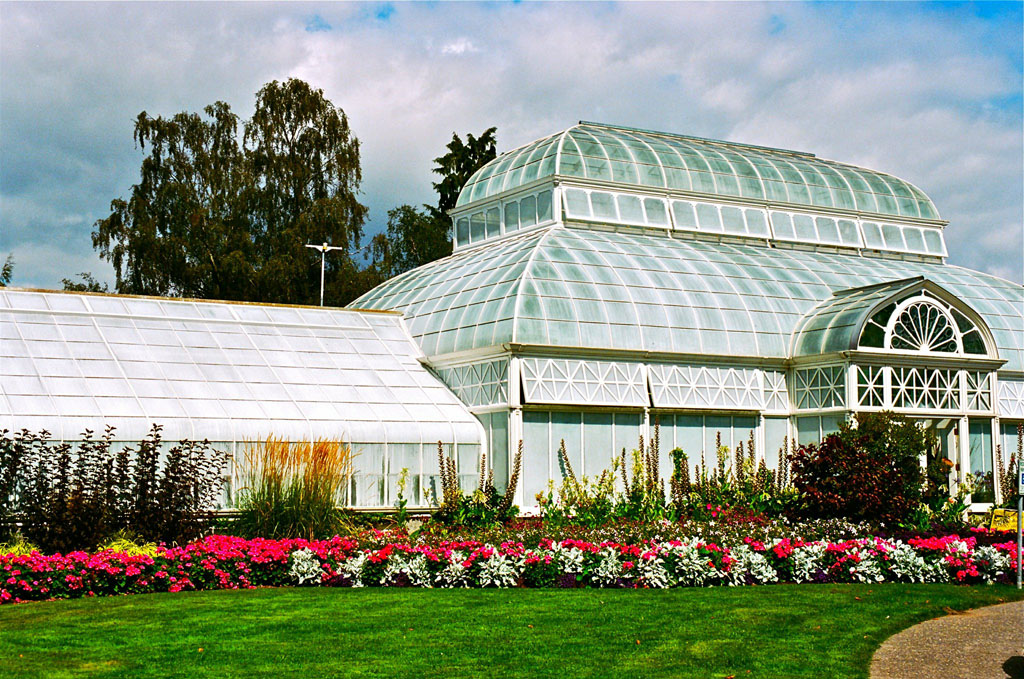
(606, 279)
(230, 373)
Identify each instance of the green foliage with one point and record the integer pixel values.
(868, 471)
(293, 490)
(413, 238)
(734, 483)
(457, 165)
(215, 216)
(18, 545)
(86, 284)
(71, 498)
(484, 506)
(7, 271)
(579, 502)
(127, 542)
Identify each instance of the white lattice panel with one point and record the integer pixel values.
(687, 386)
(925, 389)
(776, 396)
(566, 381)
(1011, 398)
(979, 390)
(819, 388)
(478, 384)
(871, 386)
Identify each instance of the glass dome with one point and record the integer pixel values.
(640, 158)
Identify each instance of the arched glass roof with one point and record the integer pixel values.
(642, 158)
(838, 323)
(220, 371)
(587, 288)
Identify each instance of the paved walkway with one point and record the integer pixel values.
(987, 643)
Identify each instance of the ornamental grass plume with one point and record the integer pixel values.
(293, 490)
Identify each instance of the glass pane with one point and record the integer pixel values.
(476, 227)
(576, 203)
(544, 206)
(528, 211)
(915, 241)
(872, 235)
(981, 460)
(933, 241)
(782, 225)
(604, 205)
(828, 232)
(757, 225)
(630, 210)
(848, 232)
(656, 213)
(732, 220)
(462, 231)
(493, 220)
(804, 227)
(683, 214)
(511, 216)
(893, 237)
(708, 217)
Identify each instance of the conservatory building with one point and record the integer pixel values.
(605, 280)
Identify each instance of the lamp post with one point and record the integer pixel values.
(323, 251)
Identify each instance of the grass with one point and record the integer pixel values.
(777, 631)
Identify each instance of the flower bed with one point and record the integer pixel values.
(378, 558)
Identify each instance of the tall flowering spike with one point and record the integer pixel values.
(563, 455)
(510, 491)
(483, 472)
(625, 474)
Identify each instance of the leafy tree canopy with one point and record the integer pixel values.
(219, 216)
(86, 284)
(7, 271)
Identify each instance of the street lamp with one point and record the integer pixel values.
(323, 251)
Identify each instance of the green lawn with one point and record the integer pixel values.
(776, 631)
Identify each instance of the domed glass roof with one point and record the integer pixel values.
(574, 287)
(628, 157)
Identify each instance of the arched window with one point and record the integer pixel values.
(922, 323)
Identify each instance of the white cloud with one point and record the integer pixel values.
(918, 92)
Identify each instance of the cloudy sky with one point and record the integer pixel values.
(929, 92)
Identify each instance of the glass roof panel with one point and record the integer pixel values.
(135, 364)
(728, 294)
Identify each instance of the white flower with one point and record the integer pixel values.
(305, 566)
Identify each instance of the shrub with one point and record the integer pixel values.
(73, 497)
(292, 490)
(869, 470)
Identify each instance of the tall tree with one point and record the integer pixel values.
(459, 164)
(7, 271)
(214, 216)
(415, 237)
